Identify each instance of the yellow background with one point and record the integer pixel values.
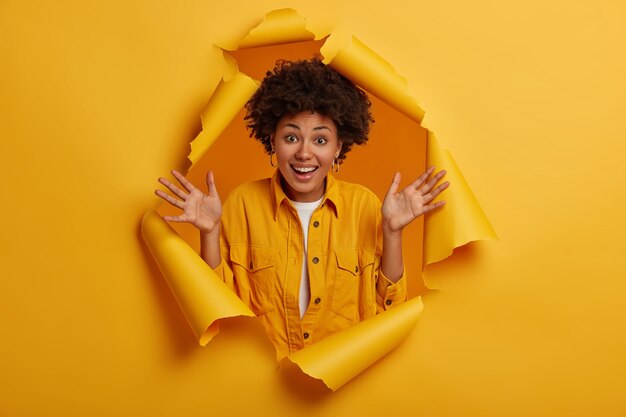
(98, 100)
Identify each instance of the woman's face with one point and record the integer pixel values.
(306, 145)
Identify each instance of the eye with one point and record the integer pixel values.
(291, 138)
(321, 140)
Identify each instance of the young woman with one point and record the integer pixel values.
(309, 254)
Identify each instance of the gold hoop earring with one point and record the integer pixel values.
(271, 160)
(335, 165)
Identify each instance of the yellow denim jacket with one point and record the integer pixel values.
(262, 246)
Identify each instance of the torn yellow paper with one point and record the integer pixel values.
(205, 299)
(229, 97)
(342, 356)
(461, 220)
(278, 27)
(356, 61)
(201, 295)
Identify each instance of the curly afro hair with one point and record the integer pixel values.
(296, 86)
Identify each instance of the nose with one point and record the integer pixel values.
(304, 151)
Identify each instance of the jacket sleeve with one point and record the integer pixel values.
(224, 269)
(388, 293)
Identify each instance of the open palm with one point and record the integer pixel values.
(401, 208)
(202, 210)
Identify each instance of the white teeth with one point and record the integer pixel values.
(304, 169)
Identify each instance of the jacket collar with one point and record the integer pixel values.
(331, 194)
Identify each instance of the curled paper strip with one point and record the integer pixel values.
(340, 357)
(461, 220)
(356, 61)
(278, 27)
(228, 98)
(204, 299)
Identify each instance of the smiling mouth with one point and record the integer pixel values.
(304, 171)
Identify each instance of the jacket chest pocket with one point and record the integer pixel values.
(353, 267)
(254, 269)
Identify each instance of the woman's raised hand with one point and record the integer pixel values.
(202, 210)
(401, 208)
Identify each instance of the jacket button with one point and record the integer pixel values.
(356, 269)
(315, 260)
(316, 224)
(388, 302)
(305, 335)
(318, 300)
(251, 265)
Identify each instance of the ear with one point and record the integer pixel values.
(272, 141)
(339, 146)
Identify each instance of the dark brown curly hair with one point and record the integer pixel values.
(296, 86)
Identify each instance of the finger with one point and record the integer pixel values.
(210, 183)
(395, 183)
(173, 188)
(175, 219)
(185, 183)
(434, 193)
(170, 199)
(431, 183)
(433, 206)
(420, 180)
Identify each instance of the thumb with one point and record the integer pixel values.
(395, 183)
(210, 182)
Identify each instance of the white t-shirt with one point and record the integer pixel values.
(305, 211)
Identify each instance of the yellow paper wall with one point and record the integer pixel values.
(99, 100)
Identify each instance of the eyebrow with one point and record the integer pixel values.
(295, 126)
